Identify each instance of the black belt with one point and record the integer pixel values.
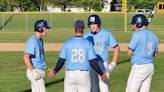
(76, 70)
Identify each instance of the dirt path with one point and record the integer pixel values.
(53, 47)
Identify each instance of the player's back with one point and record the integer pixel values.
(147, 46)
(78, 53)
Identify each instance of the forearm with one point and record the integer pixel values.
(28, 62)
(29, 65)
(116, 54)
(95, 66)
(59, 65)
(112, 65)
(130, 52)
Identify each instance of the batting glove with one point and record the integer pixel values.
(111, 66)
(36, 74)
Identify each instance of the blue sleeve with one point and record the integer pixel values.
(63, 53)
(88, 37)
(112, 40)
(30, 46)
(91, 53)
(134, 41)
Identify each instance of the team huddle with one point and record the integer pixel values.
(86, 57)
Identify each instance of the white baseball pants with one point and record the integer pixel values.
(140, 78)
(36, 85)
(77, 81)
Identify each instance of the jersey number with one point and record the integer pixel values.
(77, 55)
(150, 48)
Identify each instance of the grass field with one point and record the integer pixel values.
(13, 78)
(17, 22)
(61, 35)
(19, 27)
(113, 21)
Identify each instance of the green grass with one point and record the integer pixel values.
(61, 35)
(21, 22)
(113, 21)
(13, 77)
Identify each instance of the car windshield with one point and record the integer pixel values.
(147, 10)
(140, 11)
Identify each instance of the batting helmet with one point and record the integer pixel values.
(40, 24)
(94, 19)
(139, 20)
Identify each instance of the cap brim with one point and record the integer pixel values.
(48, 27)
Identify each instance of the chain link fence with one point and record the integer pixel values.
(25, 21)
(16, 22)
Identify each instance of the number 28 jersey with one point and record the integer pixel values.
(144, 43)
(77, 51)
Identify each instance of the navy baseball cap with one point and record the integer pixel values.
(39, 24)
(79, 24)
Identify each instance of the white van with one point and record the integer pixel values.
(140, 11)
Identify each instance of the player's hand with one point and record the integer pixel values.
(36, 75)
(104, 77)
(111, 66)
(51, 73)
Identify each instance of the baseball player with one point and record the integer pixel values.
(34, 57)
(77, 53)
(142, 48)
(102, 40)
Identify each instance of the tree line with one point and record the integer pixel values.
(41, 5)
(142, 4)
(87, 5)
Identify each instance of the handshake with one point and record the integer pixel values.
(51, 73)
(110, 68)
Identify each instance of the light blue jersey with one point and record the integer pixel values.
(36, 49)
(77, 51)
(102, 41)
(144, 44)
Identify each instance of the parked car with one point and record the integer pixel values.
(140, 11)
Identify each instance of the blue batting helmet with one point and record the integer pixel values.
(40, 24)
(94, 19)
(139, 20)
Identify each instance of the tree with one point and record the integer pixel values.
(97, 5)
(61, 3)
(84, 4)
(7, 5)
(143, 3)
(40, 4)
(2, 5)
